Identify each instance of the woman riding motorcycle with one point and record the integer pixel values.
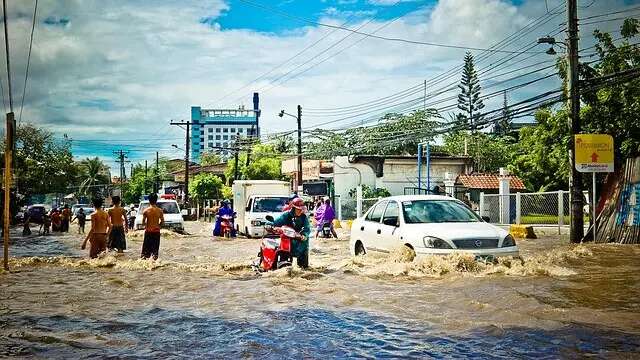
(299, 221)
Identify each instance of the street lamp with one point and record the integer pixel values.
(299, 120)
(551, 41)
(176, 146)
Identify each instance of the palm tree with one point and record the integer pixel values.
(94, 172)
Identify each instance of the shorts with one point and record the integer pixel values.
(151, 245)
(98, 244)
(117, 239)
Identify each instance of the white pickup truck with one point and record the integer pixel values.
(253, 200)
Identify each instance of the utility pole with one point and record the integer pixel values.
(299, 147)
(156, 184)
(237, 153)
(122, 156)
(186, 157)
(8, 154)
(576, 230)
(249, 144)
(144, 186)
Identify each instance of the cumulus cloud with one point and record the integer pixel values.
(123, 69)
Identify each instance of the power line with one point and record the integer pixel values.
(26, 74)
(604, 20)
(394, 39)
(6, 48)
(611, 13)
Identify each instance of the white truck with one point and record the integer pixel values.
(253, 200)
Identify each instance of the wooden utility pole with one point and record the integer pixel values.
(186, 157)
(156, 186)
(299, 147)
(576, 230)
(144, 186)
(236, 155)
(8, 154)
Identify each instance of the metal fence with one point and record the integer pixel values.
(551, 208)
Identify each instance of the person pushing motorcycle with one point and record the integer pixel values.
(297, 218)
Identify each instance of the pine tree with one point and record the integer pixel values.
(502, 125)
(469, 101)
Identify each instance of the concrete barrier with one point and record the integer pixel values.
(522, 231)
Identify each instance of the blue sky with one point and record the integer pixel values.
(112, 75)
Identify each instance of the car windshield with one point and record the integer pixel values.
(436, 211)
(269, 204)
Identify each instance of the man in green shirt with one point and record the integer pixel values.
(299, 221)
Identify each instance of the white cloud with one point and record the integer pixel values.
(149, 64)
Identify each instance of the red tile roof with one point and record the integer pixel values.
(489, 181)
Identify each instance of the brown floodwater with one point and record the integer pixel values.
(202, 299)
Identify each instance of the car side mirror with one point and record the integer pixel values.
(269, 218)
(247, 209)
(391, 222)
(486, 219)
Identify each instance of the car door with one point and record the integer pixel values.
(371, 227)
(389, 236)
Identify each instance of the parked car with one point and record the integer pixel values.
(430, 225)
(172, 215)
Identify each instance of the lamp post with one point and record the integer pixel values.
(299, 120)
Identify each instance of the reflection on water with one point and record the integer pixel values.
(295, 333)
(201, 299)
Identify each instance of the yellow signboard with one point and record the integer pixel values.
(594, 153)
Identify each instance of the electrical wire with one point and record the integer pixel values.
(26, 73)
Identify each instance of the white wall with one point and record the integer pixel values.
(398, 174)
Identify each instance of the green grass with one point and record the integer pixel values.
(546, 219)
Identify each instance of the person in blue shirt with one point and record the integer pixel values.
(225, 209)
(299, 221)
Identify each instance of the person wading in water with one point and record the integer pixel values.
(100, 227)
(152, 219)
(118, 217)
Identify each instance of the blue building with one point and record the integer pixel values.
(216, 130)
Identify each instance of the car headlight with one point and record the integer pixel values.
(508, 241)
(256, 222)
(436, 243)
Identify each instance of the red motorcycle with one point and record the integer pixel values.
(275, 248)
(226, 225)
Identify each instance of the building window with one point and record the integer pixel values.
(233, 137)
(210, 130)
(217, 144)
(210, 145)
(202, 146)
(217, 137)
(225, 145)
(225, 137)
(233, 130)
(240, 130)
(210, 137)
(217, 130)
(225, 130)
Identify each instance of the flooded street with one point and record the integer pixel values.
(202, 299)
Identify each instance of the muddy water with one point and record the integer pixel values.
(201, 299)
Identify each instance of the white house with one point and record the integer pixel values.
(396, 173)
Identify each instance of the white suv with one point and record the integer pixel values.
(172, 214)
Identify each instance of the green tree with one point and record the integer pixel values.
(265, 164)
(369, 192)
(41, 163)
(492, 151)
(502, 125)
(227, 193)
(210, 158)
(134, 189)
(205, 186)
(469, 101)
(92, 172)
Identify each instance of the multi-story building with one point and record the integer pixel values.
(216, 130)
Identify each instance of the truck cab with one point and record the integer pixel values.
(253, 200)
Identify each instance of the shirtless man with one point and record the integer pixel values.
(152, 219)
(100, 226)
(118, 217)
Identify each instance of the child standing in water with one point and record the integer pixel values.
(100, 227)
(82, 218)
(118, 217)
(152, 219)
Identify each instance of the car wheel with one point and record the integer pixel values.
(359, 249)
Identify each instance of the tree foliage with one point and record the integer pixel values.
(93, 173)
(205, 186)
(469, 101)
(493, 151)
(210, 158)
(42, 164)
(265, 164)
(369, 192)
(396, 134)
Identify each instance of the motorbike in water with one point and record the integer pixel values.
(226, 226)
(326, 230)
(275, 248)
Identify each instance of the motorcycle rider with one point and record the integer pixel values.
(225, 209)
(299, 221)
